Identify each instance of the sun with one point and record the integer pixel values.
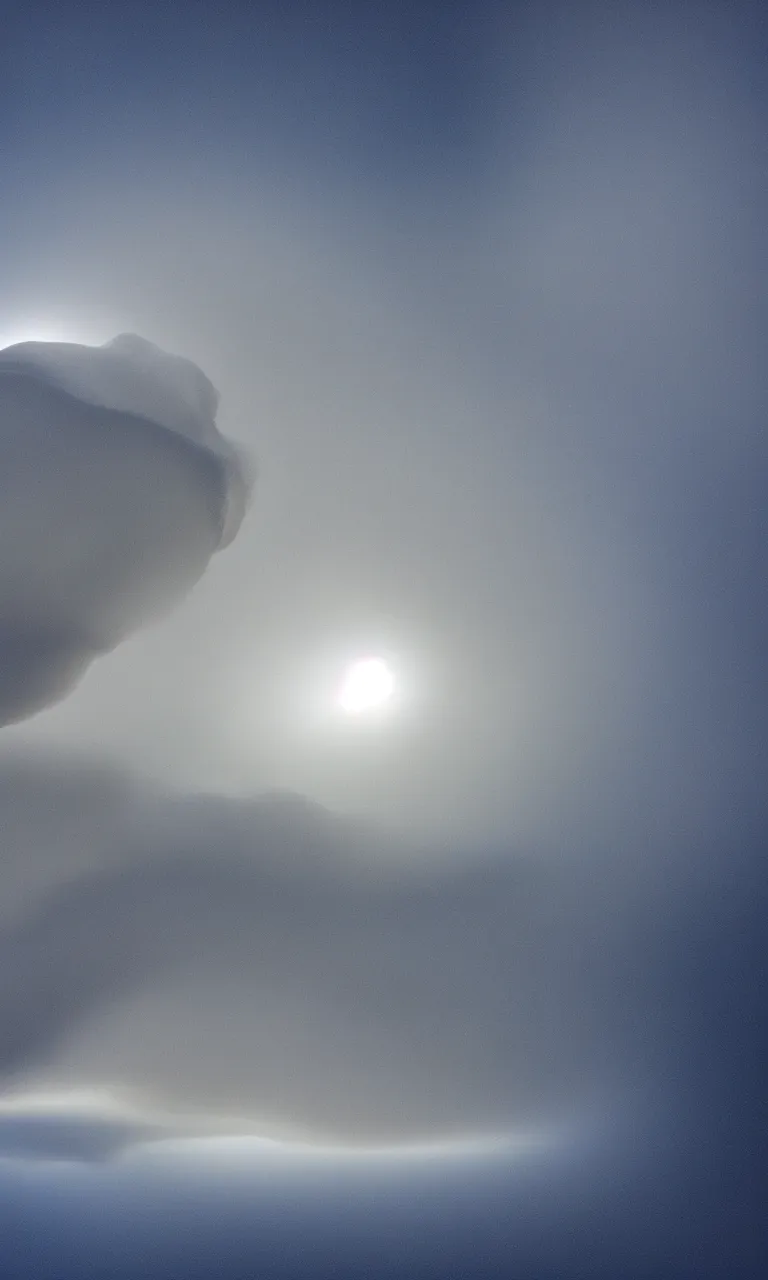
(368, 685)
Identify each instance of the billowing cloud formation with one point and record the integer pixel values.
(116, 490)
(264, 959)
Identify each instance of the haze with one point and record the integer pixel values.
(481, 290)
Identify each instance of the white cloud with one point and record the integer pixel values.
(116, 490)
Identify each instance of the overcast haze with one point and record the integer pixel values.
(481, 290)
(493, 403)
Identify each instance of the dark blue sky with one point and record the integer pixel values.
(483, 288)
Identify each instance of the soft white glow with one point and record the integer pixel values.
(91, 332)
(239, 1141)
(367, 685)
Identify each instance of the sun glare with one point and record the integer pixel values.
(367, 685)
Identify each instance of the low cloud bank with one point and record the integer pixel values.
(268, 960)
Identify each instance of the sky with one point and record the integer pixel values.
(480, 290)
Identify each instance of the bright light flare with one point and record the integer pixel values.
(367, 686)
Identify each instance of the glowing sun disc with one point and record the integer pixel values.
(367, 685)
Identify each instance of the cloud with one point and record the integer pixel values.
(268, 959)
(291, 972)
(116, 491)
(70, 1135)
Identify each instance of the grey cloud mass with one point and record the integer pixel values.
(267, 961)
(116, 490)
